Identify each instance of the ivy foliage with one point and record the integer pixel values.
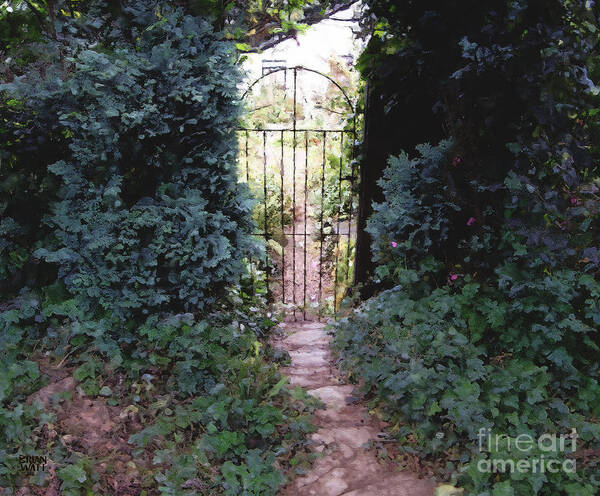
(487, 240)
(214, 413)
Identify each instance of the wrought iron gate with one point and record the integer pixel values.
(312, 220)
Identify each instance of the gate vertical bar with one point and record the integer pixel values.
(267, 268)
(305, 215)
(248, 184)
(294, 199)
(282, 173)
(322, 218)
(247, 163)
(339, 213)
(352, 181)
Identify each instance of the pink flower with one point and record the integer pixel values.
(394, 244)
(456, 161)
(471, 221)
(574, 201)
(453, 277)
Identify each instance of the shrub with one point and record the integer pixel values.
(475, 333)
(420, 213)
(149, 215)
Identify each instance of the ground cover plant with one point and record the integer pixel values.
(133, 358)
(486, 241)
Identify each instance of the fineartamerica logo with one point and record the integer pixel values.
(530, 455)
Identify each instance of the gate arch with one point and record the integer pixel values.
(309, 225)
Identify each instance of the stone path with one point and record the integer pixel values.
(346, 467)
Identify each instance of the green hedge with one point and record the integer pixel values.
(148, 214)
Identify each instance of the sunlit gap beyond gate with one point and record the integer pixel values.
(297, 154)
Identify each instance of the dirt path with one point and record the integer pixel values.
(346, 467)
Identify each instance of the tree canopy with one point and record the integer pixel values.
(253, 24)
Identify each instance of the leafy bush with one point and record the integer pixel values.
(475, 333)
(420, 214)
(240, 415)
(149, 214)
